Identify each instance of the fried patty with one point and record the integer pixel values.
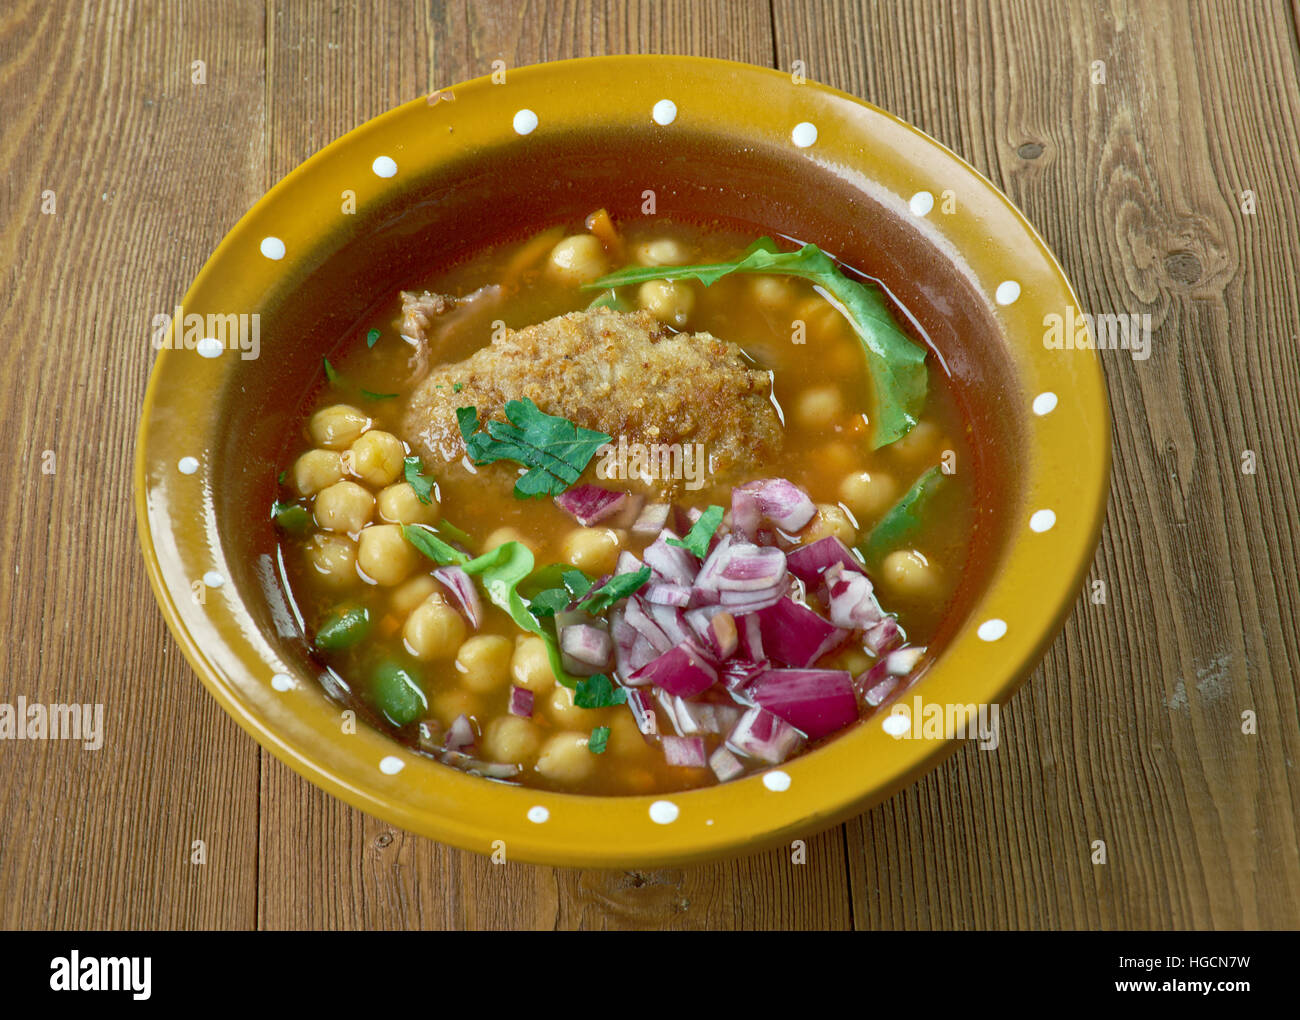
(622, 373)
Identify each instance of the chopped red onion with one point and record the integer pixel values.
(665, 593)
(643, 710)
(738, 674)
(817, 702)
(694, 717)
(687, 752)
(904, 660)
(761, 734)
(671, 562)
(809, 562)
(637, 617)
(521, 702)
(784, 504)
(851, 599)
(682, 671)
(751, 568)
(588, 504)
(627, 563)
(795, 635)
(626, 515)
(671, 621)
(585, 649)
(698, 619)
(725, 765)
(460, 734)
(749, 637)
(707, 578)
(475, 766)
(875, 691)
(652, 519)
(740, 603)
(883, 635)
(461, 585)
(723, 636)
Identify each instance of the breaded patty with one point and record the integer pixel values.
(622, 373)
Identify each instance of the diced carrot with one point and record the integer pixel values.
(529, 253)
(601, 225)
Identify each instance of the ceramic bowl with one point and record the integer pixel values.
(442, 175)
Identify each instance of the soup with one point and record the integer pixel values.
(564, 516)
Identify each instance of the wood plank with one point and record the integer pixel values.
(148, 171)
(1131, 732)
(331, 68)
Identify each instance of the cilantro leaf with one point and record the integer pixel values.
(577, 582)
(701, 533)
(896, 363)
(550, 601)
(620, 586)
(414, 472)
(372, 337)
(598, 740)
(456, 387)
(554, 449)
(597, 692)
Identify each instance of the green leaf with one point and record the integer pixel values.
(577, 582)
(451, 531)
(597, 692)
(598, 740)
(397, 693)
(620, 586)
(372, 337)
(290, 516)
(610, 299)
(549, 601)
(331, 373)
(701, 533)
(423, 486)
(369, 395)
(456, 387)
(896, 363)
(555, 450)
(432, 546)
(343, 629)
(904, 518)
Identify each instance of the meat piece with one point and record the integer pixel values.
(622, 373)
(419, 310)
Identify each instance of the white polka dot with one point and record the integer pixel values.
(921, 204)
(273, 248)
(664, 112)
(991, 630)
(187, 465)
(663, 812)
(213, 580)
(210, 347)
(383, 166)
(708, 821)
(896, 725)
(525, 122)
(282, 682)
(776, 780)
(1007, 292)
(804, 134)
(390, 766)
(1042, 520)
(538, 814)
(1045, 403)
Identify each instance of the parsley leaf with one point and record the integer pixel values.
(896, 363)
(598, 740)
(415, 477)
(555, 450)
(372, 337)
(291, 516)
(701, 533)
(577, 582)
(620, 586)
(456, 387)
(597, 692)
(550, 601)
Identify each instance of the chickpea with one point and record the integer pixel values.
(868, 494)
(561, 708)
(771, 291)
(344, 506)
(855, 660)
(409, 594)
(484, 662)
(819, 315)
(669, 301)
(909, 573)
(836, 457)
(334, 558)
(662, 251)
(819, 407)
(384, 555)
(503, 535)
(577, 259)
(530, 667)
(624, 736)
(434, 630)
(377, 458)
(592, 550)
(830, 520)
(920, 445)
(447, 705)
(338, 426)
(511, 739)
(398, 504)
(566, 758)
(316, 470)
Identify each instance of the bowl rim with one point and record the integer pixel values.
(751, 813)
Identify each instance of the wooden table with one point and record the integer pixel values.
(1169, 189)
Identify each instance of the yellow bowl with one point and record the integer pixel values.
(439, 176)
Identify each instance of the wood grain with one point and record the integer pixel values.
(1129, 733)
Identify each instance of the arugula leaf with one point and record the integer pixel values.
(555, 450)
(610, 299)
(453, 532)
(701, 533)
(549, 602)
(433, 547)
(414, 472)
(332, 374)
(620, 586)
(896, 363)
(596, 691)
(369, 395)
(598, 740)
(903, 519)
(372, 337)
(290, 516)
(343, 628)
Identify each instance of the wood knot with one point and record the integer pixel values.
(1030, 150)
(1184, 267)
